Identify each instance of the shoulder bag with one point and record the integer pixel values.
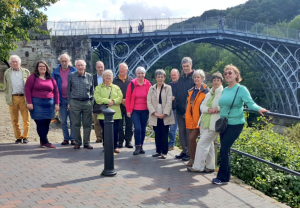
(221, 123)
(98, 108)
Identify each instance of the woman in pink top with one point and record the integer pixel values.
(136, 107)
(42, 100)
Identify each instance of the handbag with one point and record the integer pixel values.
(99, 108)
(221, 123)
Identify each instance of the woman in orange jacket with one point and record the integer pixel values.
(195, 97)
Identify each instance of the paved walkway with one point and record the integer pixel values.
(36, 177)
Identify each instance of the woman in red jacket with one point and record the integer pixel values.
(195, 97)
(136, 107)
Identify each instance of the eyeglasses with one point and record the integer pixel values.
(228, 73)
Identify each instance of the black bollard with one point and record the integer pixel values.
(109, 169)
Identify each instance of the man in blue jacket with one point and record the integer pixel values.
(60, 74)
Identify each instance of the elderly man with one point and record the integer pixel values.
(122, 80)
(173, 128)
(80, 95)
(98, 80)
(60, 74)
(185, 83)
(13, 82)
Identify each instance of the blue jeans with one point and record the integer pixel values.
(64, 113)
(139, 119)
(173, 131)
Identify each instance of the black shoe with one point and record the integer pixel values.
(142, 151)
(18, 141)
(186, 158)
(137, 150)
(25, 141)
(120, 145)
(128, 145)
(156, 155)
(180, 156)
(65, 142)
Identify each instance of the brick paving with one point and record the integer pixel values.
(63, 177)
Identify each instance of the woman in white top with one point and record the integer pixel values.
(210, 110)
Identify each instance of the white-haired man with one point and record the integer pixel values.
(60, 74)
(98, 79)
(122, 80)
(14, 81)
(80, 95)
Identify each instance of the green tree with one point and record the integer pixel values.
(19, 19)
(295, 23)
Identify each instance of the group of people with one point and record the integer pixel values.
(186, 103)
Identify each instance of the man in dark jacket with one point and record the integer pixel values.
(185, 83)
(98, 80)
(122, 80)
(60, 74)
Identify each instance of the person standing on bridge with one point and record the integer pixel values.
(235, 116)
(81, 98)
(60, 74)
(14, 81)
(98, 79)
(122, 80)
(185, 83)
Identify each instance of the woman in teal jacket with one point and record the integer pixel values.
(110, 94)
(236, 118)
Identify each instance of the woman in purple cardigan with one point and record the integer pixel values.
(42, 100)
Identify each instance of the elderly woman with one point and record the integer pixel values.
(235, 116)
(136, 107)
(159, 102)
(110, 94)
(195, 97)
(43, 99)
(210, 110)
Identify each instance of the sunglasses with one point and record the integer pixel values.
(228, 73)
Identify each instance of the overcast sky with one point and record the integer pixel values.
(133, 9)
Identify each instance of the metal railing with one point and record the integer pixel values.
(106, 27)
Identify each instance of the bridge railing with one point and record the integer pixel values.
(221, 24)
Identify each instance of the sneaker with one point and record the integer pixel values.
(171, 148)
(156, 155)
(18, 141)
(190, 169)
(207, 170)
(65, 142)
(49, 145)
(42, 144)
(218, 182)
(25, 141)
(163, 156)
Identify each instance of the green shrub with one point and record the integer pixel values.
(262, 142)
(293, 133)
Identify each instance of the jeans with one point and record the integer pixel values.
(161, 137)
(116, 130)
(227, 139)
(173, 131)
(128, 127)
(42, 128)
(139, 119)
(64, 113)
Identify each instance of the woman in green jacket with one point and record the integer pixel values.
(110, 94)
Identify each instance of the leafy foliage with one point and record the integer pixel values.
(17, 19)
(293, 133)
(262, 142)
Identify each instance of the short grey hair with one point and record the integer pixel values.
(199, 72)
(108, 71)
(141, 69)
(67, 56)
(186, 60)
(15, 56)
(123, 63)
(99, 62)
(174, 69)
(159, 72)
(80, 60)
